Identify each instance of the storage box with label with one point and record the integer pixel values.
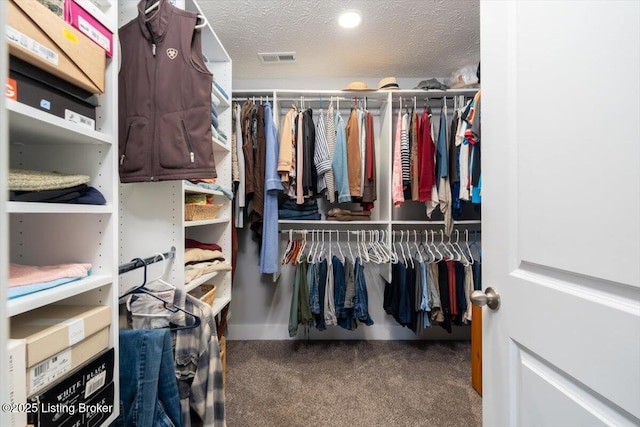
(32, 86)
(39, 37)
(53, 368)
(51, 329)
(82, 19)
(17, 390)
(70, 397)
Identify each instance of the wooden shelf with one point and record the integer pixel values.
(219, 303)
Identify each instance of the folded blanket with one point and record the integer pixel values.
(192, 243)
(28, 180)
(196, 254)
(337, 211)
(20, 275)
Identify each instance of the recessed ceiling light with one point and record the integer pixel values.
(350, 19)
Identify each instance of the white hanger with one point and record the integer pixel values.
(365, 252)
(349, 245)
(288, 248)
(394, 253)
(452, 249)
(466, 242)
(321, 250)
(159, 278)
(465, 261)
(339, 247)
(302, 248)
(329, 257)
(435, 247)
(432, 256)
(443, 245)
(377, 258)
(382, 249)
(409, 250)
(197, 26)
(404, 257)
(415, 242)
(313, 242)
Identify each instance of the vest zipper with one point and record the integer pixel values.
(187, 139)
(126, 142)
(155, 103)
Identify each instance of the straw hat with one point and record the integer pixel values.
(388, 83)
(28, 180)
(358, 86)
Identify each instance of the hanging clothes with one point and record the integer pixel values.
(361, 300)
(272, 187)
(397, 191)
(353, 153)
(321, 154)
(370, 191)
(248, 147)
(240, 194)
(286, 157)
(331, 143)
(427, 157)
(406, 157)
(414, 143)
(339, 164)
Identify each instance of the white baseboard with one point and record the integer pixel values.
(375, 332)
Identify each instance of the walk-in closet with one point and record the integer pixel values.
(338, 213)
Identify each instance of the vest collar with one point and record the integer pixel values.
(156, 20)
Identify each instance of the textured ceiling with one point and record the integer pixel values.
(402, 38)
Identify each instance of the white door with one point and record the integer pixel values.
(561, 212)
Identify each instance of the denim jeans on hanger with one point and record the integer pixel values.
(361, 305)
(148, 386)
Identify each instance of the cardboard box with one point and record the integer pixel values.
(37, 88)
(50, 329)
(17, 387)
(82, 19)
(68, 399)
(53, 368)
(39, 37)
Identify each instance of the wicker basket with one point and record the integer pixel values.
(205, 293)
(195, 212)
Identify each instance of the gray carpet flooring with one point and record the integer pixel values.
(350, 383)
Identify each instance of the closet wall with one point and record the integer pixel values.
(151, 214)
(261, 305)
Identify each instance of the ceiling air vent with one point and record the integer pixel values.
(277, 57)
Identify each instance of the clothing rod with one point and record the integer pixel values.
(133, 265)
(306, 99)
(400, 232)
(374, 113)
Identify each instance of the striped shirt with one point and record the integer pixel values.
(331, 142)
(321, 154)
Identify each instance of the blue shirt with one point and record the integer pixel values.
(272, 185)
(340, 170)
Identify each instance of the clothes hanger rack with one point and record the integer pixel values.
(135, 264)
(168, 305)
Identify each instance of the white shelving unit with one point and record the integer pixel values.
(48, 233)
(256, 319)
(152, 214)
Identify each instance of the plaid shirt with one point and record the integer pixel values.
(199, 369)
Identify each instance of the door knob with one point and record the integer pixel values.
(490, 297)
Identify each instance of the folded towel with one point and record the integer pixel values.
(20, 275)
